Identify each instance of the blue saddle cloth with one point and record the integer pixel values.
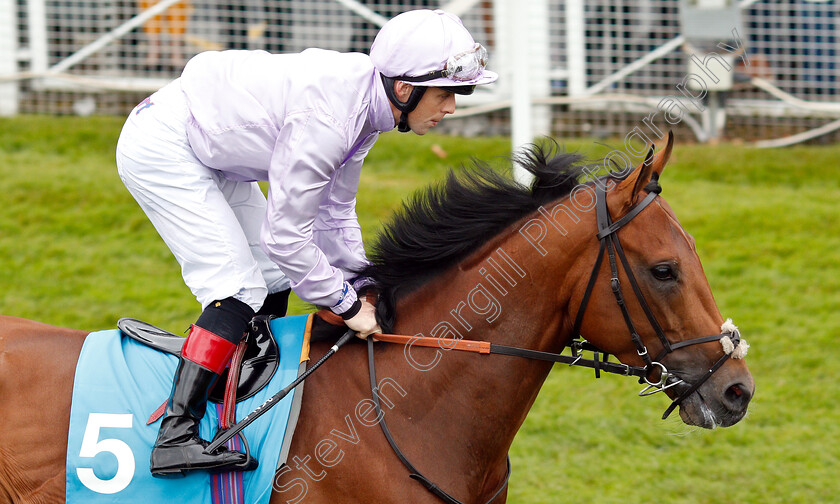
(120, 382)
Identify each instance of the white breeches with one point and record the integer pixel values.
(211, 224)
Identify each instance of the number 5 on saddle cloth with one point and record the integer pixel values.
(121, 380)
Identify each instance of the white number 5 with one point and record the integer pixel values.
(91, 446)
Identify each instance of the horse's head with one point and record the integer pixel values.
(669, 303)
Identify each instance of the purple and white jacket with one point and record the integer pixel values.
(303, 122)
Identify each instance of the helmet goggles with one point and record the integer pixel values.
(462, 67)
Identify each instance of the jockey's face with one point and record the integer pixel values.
(434, 105)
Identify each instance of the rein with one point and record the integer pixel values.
(485, 347)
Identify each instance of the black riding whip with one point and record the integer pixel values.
(223, 436)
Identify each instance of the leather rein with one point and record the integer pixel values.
(609, 243)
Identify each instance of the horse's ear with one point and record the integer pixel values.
(658, 164)
(634, 183)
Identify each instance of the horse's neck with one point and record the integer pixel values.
(507, 293)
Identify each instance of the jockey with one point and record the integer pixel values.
(191, 154)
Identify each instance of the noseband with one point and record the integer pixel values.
(608, 237)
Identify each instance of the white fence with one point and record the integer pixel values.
(568, 67)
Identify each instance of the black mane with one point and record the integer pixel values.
(443, 223)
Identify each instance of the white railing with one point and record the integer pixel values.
(572, 66)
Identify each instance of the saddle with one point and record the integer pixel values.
(261, 356)
(256, 368)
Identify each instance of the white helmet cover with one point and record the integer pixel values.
(419, 43)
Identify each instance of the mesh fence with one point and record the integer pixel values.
(791, 44)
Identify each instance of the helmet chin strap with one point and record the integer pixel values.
(405, 107)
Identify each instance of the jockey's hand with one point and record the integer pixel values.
(364, 322)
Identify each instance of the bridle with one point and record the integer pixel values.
(610, 246)
(608, 238)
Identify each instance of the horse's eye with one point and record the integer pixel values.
(663, 272)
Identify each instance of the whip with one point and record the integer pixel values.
(224, 436)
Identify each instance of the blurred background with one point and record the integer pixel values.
(589, 68)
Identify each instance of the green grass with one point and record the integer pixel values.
(76, 251)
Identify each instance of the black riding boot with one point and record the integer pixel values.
(205, 355)
(178, 447)
(275, 304)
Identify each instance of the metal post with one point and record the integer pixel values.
(8, 57)
(37, 27)
(520, 60)
(575, 47)
(540, 72)
(520, 65)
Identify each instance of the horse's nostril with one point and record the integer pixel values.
(737, 395)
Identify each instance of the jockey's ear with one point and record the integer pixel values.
(631, 187)
(402, 90)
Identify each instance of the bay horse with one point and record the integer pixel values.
(477, 257)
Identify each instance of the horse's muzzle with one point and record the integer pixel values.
(717, 406)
